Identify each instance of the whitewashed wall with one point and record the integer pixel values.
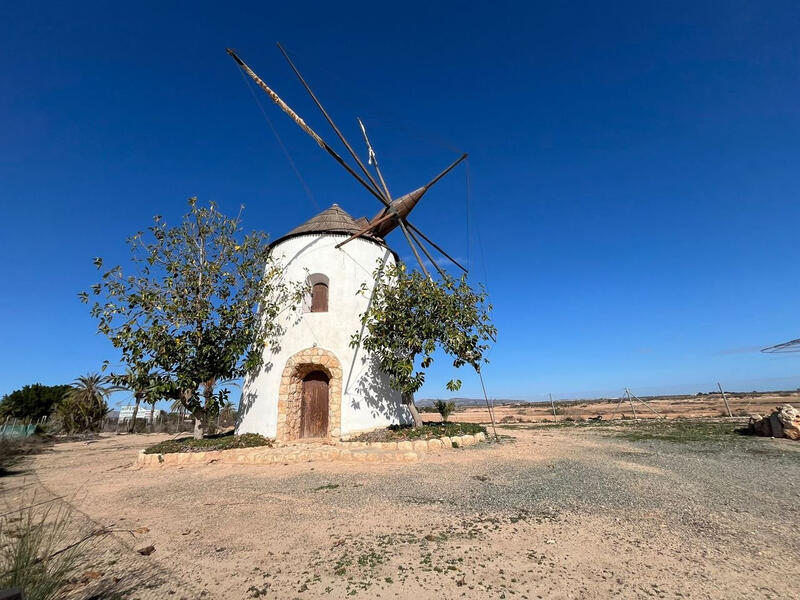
(367, 400)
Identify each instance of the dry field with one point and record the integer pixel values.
(554, 511)
(711, 405)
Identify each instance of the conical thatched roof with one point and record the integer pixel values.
(331, 220)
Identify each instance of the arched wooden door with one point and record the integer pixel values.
(314, 410)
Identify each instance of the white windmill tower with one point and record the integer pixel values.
(316, 385)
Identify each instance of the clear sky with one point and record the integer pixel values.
(634, 168)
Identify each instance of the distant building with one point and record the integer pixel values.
(126, 413)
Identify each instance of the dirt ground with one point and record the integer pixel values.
(548, 512)
(707, 405)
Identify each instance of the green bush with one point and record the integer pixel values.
(226, 441)
(444, 408)
(428, 431)
(32, 402)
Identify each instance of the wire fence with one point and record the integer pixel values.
(159, 422)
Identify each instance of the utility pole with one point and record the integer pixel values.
(553, 405)
(725, 399)
(633, 408)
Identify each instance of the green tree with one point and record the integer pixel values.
(201, 303)
(444, 408)
(85, 404)
(410, 316)
(145, 385)
(32, 401)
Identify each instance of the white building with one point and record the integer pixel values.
(126, 413)
(317, 385)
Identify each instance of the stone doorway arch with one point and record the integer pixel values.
(290, 394)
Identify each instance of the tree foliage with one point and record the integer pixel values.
(444, 408)
(199, 304)
(84, 405)
(412, 316)
(32, 401)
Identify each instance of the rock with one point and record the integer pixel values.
(435, 444)
(405, 446)
(420, 446)
(446, 443)
(467, 440)
(480, 436)
(787, 414)
(784, 422)
(792, 430)
(147, 550)
(776, 425)
(762, 427)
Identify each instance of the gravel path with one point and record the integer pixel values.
(548, 513)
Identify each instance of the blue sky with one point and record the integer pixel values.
(633, 168)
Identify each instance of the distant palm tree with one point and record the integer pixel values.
(178, 407)
(85, 404)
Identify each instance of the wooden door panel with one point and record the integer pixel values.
(314, 410)
(319, 298)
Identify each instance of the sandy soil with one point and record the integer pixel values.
(547, 513)
(711, 405)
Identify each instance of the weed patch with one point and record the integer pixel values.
(399, 433)
(679, 431)
(226, 441)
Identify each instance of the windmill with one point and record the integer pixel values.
(394, 212)
(318, 384)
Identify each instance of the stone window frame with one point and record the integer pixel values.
(290, 393)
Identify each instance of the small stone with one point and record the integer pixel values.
(147, 550)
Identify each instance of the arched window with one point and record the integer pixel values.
(319, 297)
(319, 292)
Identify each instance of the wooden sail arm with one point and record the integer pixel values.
(390, 206)
(432, 243)
(365, 229)
(424, 249)
(328, 118)
(302, 124)
(405, 204)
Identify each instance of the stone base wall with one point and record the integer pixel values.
(369, 452)
(290, 393)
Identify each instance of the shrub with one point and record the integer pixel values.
(226, 441)
(444, 408)
(399, 433)
(84, 407)
(32, 401)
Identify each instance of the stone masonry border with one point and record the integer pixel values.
(290, 392)
(366, 452)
